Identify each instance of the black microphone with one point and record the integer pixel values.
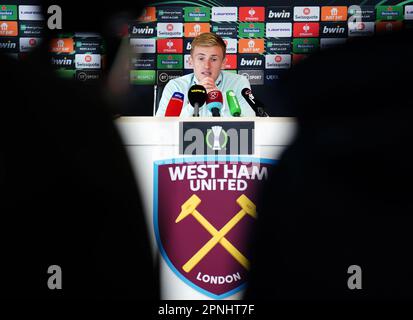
(256, 105)
(197, 96)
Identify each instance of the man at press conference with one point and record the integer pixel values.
(223, 88)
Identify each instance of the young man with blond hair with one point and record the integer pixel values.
(208, 60)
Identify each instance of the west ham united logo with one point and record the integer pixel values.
(204, 209)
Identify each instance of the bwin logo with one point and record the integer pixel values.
(247, 62)
(146, 30)
(333, 30)
(278, 15)
(62, 62)
(188, 46)
(7, 45)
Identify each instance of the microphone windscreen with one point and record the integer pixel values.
(214, 100)
(215, 96)
(197, 95)
(174, 107)
(246, 92)
(233, 104)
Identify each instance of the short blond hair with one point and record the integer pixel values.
(208, 39)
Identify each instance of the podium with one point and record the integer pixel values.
(199, 208)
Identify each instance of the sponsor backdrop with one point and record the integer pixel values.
(264, 38)
(78, 55)
(22, 28)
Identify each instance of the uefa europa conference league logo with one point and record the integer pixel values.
(216, 130)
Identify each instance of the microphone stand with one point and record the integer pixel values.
(215, 112)
(196, 109)
(261, 112)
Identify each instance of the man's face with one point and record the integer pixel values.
(207, 62)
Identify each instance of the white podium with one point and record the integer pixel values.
(163, 175)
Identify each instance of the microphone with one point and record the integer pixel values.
(233, 104)
(197, 96)
(214, 102)
(174, 107)
(256, 105)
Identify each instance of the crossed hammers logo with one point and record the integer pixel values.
(189, 207)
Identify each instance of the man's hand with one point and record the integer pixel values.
(209, 84)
